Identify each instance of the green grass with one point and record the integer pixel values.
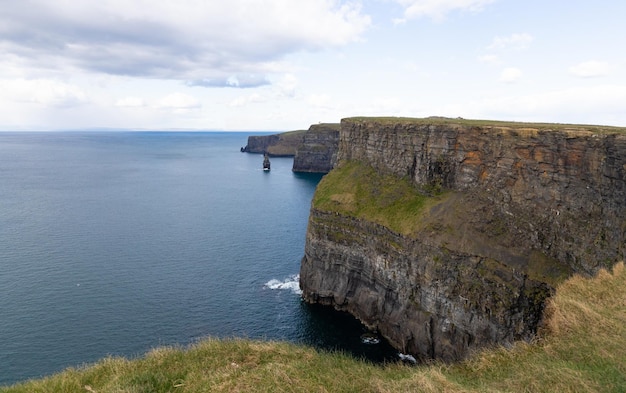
(359, 190)
(582, 349)
(287, 144)
(292, 133)
(437, 120)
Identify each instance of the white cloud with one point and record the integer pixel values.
(49, 93)
(253, 98)
(208, 43)
(590, 69)
(510, 75)
(599, 104)
(284, 87)
(398, 21)
(130, 102)
(241, 81)
(513, 41)
(319, 100)
(178, 102)
(489, 59)
(287, 85)
(438, 9)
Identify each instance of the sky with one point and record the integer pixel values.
(278, 65)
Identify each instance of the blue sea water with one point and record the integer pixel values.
(113, 243)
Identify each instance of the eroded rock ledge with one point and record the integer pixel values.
(509, 210)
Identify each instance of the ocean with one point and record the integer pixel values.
(114, 243)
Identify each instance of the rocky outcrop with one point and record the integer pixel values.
(276, 145)
(318, 151)
(513, 209)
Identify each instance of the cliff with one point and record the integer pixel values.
(283, 144)
(318, 150)
(449, 235)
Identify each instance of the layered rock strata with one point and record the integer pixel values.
(318, 151)
(513, 209)
(276, 145)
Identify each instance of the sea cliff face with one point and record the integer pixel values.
(314, 150)
(511, 209)
(318, 151)
(283, 144)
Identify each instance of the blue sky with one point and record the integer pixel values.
(285, 64)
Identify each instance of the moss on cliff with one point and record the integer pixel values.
(359, 190)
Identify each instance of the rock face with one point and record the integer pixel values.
(519, 207)
(318, 151)
(276, 145)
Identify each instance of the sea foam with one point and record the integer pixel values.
(291, 283)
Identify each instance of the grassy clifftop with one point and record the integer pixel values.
(583, 349)
(438, 120)
(360, 191)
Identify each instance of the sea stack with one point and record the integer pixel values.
(266, 162)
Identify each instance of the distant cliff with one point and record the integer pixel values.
(448, 235)
(314, 150)
(318, 151)
(283, 144)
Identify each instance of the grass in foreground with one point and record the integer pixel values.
(583, 349)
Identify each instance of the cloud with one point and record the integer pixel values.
(510, 75)
(241, 81)
(287, 86)
(438, 9)
(253, 98)
(590, 69)
(284, 87)
(513, 41)
(489, 59)
(43, 91)
(207, 43)
(178, 102)
(319, 100)
(130, 102)
(600, 104)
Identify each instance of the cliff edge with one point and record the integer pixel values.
(276, 145)
(448, 235)
(318, 151)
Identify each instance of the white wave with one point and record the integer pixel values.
(370, 339)
(407, 358)
(291, 283)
